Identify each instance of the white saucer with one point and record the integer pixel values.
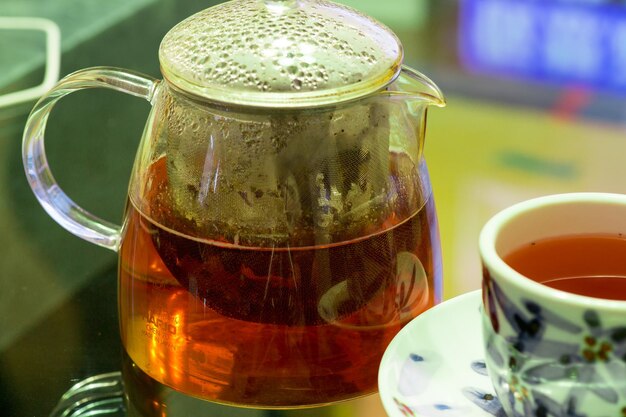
(434, 366)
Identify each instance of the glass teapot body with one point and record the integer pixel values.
(268, 259)
(268, 253)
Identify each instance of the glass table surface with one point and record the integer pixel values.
(536, 105)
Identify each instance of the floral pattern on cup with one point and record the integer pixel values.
(562, 361)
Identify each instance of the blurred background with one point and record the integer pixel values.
(536, 94)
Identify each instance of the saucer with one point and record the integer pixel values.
(434, 366)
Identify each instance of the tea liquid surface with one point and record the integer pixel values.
(593, 265)
(271, 327)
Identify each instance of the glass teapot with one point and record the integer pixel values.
(280, 227)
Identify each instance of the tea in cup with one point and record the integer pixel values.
(554, 305)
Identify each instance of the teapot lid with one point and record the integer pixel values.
(280, 53)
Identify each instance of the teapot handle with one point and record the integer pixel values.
(56, 203)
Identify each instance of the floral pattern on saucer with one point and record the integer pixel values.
(434, 366)
(484, 400)
(572, 383)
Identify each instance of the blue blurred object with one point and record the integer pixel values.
(580, 43)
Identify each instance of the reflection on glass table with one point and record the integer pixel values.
(132, 393)
(97, 395)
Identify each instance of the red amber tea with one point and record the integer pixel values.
(272, 327)
(593, 265)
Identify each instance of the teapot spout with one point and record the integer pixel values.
(415, 86)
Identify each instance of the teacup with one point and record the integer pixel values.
(550, 351)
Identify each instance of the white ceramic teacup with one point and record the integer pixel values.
(549, 352)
